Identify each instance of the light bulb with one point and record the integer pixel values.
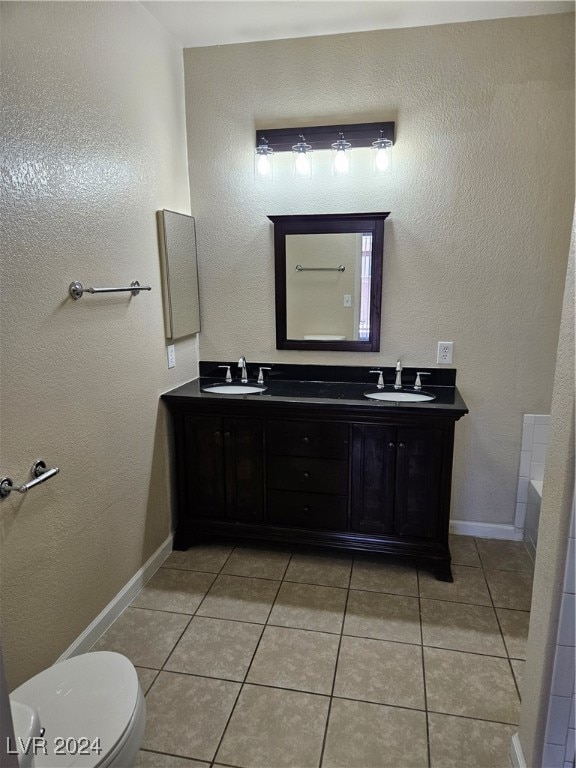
(341, 164)
(263, 166)
(302, 164)
(382, 160)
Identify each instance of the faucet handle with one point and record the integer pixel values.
(380, 384)
(418, 382)
(228, 374)
(261, 375)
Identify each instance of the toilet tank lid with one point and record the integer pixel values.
(90, 697)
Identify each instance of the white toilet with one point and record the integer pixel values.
(91, 709)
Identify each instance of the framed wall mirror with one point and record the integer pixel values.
(328, 271)
(178, 259)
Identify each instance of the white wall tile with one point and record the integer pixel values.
(569, 765)
(541, 432)
(572, 723)
(527, 437)
(558, 718)
(525, 463)
(563, 677)
(520, 518)
(570, 575)
(528, 418)
(522, 494)
(553, 756)
(542, 419)
(566, 627)
(537, 470)
(570, 746)
(538, 453)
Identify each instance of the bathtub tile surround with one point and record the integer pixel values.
(535, 430)
(561, 727)
(324, 658)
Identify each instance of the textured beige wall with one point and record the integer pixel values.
(557, 499)
(480, 194)
(95, 126)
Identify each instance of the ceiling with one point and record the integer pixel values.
(197, 23)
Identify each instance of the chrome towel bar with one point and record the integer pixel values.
(77, 290)
(340, 268)
(39, 475)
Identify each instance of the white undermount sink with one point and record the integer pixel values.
(400, 397)
(234, 389)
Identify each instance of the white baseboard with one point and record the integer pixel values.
(106, 617)
(486, 530)
(516, 755)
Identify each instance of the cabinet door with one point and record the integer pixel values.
(373, 476)
(244, 464)
(203, 467)
(418, 474)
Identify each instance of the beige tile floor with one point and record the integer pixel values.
(263, 657)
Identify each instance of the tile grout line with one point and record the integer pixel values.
(167, 659)
(243, 682)
(428, 750)
(494, 608)
(240, 689)
(329, 712)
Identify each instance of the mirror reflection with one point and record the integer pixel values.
(328, 286)
(329, 281)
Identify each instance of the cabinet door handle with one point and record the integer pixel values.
(402, 445)
(306, 440)
(306, 509)
(227, 434)
(391, 445)
(217, 433)
(306, 475)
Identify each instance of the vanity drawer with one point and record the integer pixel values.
(307, 474)
(307, 510)
(307, 438)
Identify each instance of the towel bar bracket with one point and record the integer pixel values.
(77, 290)
(39, 475)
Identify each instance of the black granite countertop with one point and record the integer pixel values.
(328, 385)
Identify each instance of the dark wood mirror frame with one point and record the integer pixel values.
(344, 223)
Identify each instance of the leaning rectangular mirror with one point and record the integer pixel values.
(177, 239)
(329, 281)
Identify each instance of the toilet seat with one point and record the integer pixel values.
(95, 696)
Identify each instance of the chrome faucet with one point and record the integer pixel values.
(398, 382)
(380, 384)
(242, 366)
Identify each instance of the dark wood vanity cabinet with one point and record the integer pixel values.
(396, 480)
(373, 482)
(307, 472)
(220, 470)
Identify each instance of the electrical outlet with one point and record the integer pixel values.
(444, 356)
(347, 300)
(171, 352)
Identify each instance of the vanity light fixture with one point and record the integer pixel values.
(263, 161)
(302, 159)
(341, 156)
(341, 139)
(381, 153)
